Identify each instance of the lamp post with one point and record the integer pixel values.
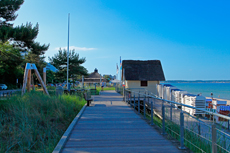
(68, 57)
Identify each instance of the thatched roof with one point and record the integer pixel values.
(150, 70)
(95, 74)
(94, 77)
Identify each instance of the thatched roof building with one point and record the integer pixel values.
(94, 77)
(150, 70)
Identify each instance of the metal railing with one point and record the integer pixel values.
(8, 94)
(199, 133)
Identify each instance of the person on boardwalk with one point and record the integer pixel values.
(102, 85)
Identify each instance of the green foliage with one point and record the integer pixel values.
(106, 88)
(8, 9)
(173, 130)
(107, 77)
(50, 76)
(6, 32)
(10, 61)
(59, 60)
(36, 122)
(22, 39)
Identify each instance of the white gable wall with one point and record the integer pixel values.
(137, 84)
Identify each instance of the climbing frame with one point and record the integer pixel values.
(27, 78)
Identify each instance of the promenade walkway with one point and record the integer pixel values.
(111, 126)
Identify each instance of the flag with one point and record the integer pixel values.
(120, 63)
(117, 69)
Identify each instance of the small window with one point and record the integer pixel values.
(144, 83)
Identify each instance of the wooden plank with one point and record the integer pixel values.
(28, 81)
(114, 127)
(66, 135)
(25, 81)
(44, 75)
(133, 149)
(32, 77)
(40, 80)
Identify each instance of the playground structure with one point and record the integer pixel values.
(28, 79)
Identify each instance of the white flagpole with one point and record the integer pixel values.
(68, 56)
(117, 71)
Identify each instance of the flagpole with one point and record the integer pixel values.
(68, 56)
(120, 68)
(117, 71)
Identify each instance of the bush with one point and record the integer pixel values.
(36, 122)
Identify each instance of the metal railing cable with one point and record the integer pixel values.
(203, 135)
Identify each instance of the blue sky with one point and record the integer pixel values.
(191, 38)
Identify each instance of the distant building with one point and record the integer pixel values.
(94, 77)
(142, 74)
(51, 68)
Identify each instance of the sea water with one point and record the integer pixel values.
(219, 90)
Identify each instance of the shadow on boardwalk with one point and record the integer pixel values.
(109, 125)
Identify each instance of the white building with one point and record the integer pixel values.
(144, 75)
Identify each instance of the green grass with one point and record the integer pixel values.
(98, 89)
(106, 88)
(36, 122)
(192, 141)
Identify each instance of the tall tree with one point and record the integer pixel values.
(22, 37)
(7, 11)
(10, 60)
(59, 60)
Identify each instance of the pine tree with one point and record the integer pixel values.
(22, 37)
(7, 11)
(75, 67)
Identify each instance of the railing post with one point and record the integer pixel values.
(144, 108)
(125, 95)
(163, 118)
(182, 131)
(199, 128)
(148, 97)
(151, 112)
(171, 112)
(130, 99)
(228, 123)
(214, 147)
(134, 102)
(123, 90)
(139, 103)
(224, 145)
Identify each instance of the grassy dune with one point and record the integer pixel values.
(36, 122)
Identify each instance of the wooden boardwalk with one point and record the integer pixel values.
(109, 125)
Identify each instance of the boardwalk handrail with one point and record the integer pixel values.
(189, 106)
(203, 132)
